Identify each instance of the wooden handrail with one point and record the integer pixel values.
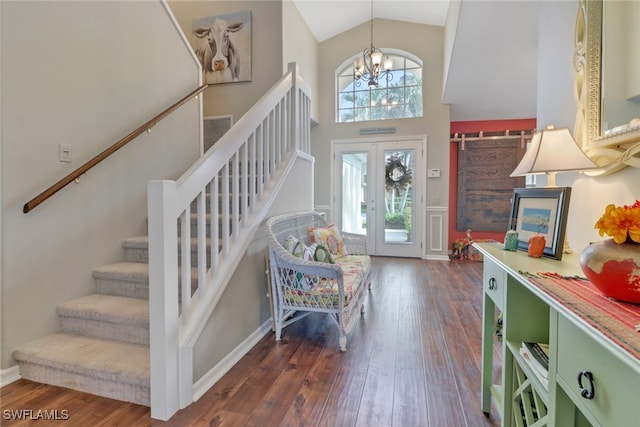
(106, 153)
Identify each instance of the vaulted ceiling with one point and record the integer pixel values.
(493, 67)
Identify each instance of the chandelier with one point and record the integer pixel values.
(372, 66)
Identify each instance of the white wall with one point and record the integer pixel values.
(633, 50)
(84, 74)
(557, 105)
(300, 46)
(450, 28)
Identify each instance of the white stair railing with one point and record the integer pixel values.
(240, 176)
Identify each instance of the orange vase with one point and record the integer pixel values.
(536, 245)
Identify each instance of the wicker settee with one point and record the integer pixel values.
(300, 287)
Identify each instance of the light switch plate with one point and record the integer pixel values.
(64, 153)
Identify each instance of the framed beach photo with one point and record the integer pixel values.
(541, 211)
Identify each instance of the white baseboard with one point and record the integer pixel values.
(7, 376)
(209, 379)
(437, 257)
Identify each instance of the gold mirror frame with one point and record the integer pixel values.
(611, 153)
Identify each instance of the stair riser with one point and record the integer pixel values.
(141, 255)
(135, 334)
(131, 289)
(194, 206)
(138, 394)
(194, 227)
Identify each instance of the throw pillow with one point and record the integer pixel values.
(309, 252)
(322, 255)
(330, 238)
(294, 246)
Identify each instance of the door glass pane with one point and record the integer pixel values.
(354, 192)
(398, 196)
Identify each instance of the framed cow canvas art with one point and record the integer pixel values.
(223, 45)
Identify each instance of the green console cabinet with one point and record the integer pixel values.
(592, 374)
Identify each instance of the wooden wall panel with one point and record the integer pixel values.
(484, 185)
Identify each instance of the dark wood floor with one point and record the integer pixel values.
(413, 360)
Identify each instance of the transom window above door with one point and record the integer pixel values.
(397, 96)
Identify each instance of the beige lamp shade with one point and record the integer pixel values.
(553, 150)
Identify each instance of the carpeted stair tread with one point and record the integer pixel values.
(136, 249)
(93, 357)
(142, 242)
(107, 308)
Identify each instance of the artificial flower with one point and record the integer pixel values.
(621, 222)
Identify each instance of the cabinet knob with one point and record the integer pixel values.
(589, 392)
(492, 284)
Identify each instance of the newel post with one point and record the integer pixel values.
(163, 299)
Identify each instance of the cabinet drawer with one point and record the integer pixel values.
(494, 282)
(615, 384)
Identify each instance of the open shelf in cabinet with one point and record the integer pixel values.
(514, 348)
(530, 398)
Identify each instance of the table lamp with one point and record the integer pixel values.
(553, 150)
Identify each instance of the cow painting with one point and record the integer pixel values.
(224, 47)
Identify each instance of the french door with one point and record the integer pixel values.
(378, 191)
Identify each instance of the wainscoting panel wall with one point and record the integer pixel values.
(435, 242)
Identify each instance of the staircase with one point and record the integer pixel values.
(122, 344)
(103, 345)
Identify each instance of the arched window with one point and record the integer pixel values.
(398, 94)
